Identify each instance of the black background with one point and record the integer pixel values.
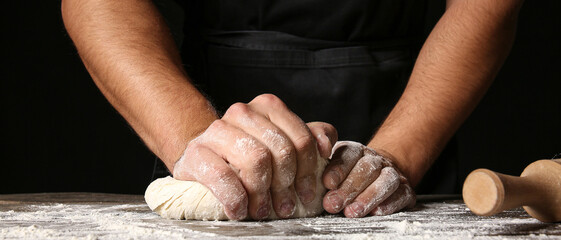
(60, 134)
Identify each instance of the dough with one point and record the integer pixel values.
(176, 199)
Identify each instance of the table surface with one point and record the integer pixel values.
(117, 216)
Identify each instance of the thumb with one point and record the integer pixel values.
(325, 135)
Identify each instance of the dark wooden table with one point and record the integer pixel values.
(115, 216)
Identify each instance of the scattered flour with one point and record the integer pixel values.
(76, 221)
(136, 221)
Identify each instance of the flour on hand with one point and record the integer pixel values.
(176, 199)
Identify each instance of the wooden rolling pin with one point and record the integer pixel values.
(538, 189)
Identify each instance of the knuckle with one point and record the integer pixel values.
(258, 175)
(259, 157)
(190, 149)
(216, 125)
(286, 155)
(370, 163)
(306, 180)
(237, 109)
(391, 174)
(269, 100)
(284, 167)
(193, 146)
(192, 153)
(365, 163)
(388, 181)
(223, 174)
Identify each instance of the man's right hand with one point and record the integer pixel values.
(258, 154)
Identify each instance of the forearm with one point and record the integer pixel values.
(455, 67)
(129, 52)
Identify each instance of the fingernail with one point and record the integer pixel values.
(378, 212)
(325, 140)
(356, 209)
(263, 212)
(241, 213)
(306, 191)
(306, 196)
(287, 207)
(336, 201)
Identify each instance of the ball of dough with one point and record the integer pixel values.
(175, 199)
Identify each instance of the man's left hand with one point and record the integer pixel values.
(361, 181)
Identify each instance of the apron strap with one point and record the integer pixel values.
(326, 58)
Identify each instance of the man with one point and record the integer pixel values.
(331, 62)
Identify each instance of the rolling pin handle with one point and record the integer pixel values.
(486, 192)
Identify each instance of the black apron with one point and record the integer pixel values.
(350, 84)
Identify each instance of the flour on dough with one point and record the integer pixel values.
(176, 199)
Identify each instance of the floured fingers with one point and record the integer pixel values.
(366, 172)
(217, 176)
(384, 186)
(404, 197)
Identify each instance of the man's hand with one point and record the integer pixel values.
(362, 182)
(257, 154)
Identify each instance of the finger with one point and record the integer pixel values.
(366, 171)
(300, 136)
(249, 156)
(403, 197)
(326, 136)
(204, 166)
(386, 184)
(282, 151)
(345, 156)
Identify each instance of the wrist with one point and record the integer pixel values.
(176, 148)
(410, 167)
(200, 117)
